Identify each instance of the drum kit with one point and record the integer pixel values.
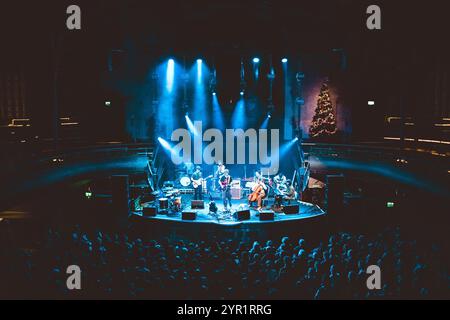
(171, 199)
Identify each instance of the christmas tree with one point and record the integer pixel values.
(324, 122)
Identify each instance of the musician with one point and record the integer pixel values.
(259, 192)
(258, 176)
(290, 194)
(221, 169)
(219, 172)
(279, 179)
(197, 178)
(225, 182)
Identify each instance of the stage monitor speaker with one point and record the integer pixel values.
(335, 193)
(291, 209)
(120, 197)
(149, 211)
(266, 215)
(197, 204)
(188, 215)
(242, 215)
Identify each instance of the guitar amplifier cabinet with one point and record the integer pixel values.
(236, 193)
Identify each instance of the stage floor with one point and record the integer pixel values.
(306, 211)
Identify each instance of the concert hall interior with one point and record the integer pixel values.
(224, 150)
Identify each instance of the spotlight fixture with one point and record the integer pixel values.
(256, 60)
(242, 84)
(370, 103)
(213, 83)
(284, 60)
(299, 76)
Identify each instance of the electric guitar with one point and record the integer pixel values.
(198, 182)
(225, 184)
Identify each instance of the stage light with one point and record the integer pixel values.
(256, 60)
(213, 82)
(107, 103)
(199, 70)
(242, 93)
(170, 74)
(190, 125)
(390, 204)
(169, 149)
(265, 123)
(284, 60)
(164, 143)
(370, 103)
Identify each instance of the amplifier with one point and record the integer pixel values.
(197, 204)
(149, 211)
(236, 193)
(242, 215)
(291, 209)
(266, 215)
(188, 215)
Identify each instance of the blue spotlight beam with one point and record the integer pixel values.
(170, 75)
(164, 143)
(238, 117)
(199, 70)
(265, 123)
(285, 148)
(191, 126)
(169, 149)
(218, 118)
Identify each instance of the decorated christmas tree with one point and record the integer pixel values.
(324, 121)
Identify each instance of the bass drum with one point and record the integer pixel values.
(185, 181)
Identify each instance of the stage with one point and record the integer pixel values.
(221, 217)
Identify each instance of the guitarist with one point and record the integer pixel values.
(225, 183)
(196, 179)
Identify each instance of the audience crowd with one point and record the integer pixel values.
(118, 266)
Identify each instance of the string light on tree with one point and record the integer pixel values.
(324, 121)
